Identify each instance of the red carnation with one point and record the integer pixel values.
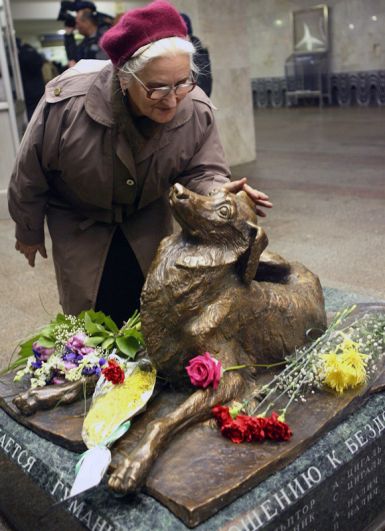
(236, 430)
(257, 428)
(250, 429)
(221, 415)
(244, 428)
(276, 430)
(114, 372)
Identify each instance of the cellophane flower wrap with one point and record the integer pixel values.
(121, 392)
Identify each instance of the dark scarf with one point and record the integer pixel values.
(136, 129)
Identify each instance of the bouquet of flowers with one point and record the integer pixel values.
(343, 357)
(71, 347)
(122, 391)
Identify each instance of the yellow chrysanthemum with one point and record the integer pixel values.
(356, 361)
(338, 376)
(345, 367)
(353, 358)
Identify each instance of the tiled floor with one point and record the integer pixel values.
(325, 173)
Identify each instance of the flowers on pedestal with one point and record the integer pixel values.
(342, 358)
(244, 428)
(72, 347)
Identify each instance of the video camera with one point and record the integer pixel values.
(101, 19)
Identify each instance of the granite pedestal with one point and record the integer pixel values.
(337, 484)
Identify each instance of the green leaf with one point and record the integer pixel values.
(47, 331)
(61, 318)
(20, 363)
(94, 341)
(89, 325)
(134, 333)
(110, 324)
(128, 346)
(26, 347)
(107, 343)
(102, 330)
(96, 317)
(45, 342)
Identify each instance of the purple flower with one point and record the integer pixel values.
(36, 364)
(69, 365)
(102, 362)
(86, 350)
(87, 371)
(57, 380)
(41, 353)
(76, 344)
(70, 356)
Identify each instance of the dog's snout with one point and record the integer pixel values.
(180, 192)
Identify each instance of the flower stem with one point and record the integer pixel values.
(266, 365)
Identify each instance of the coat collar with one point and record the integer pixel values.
(98, 103)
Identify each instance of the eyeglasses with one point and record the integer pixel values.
(159, 93)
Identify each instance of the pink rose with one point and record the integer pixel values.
(204, 371)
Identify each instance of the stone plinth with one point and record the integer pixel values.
(336, 484)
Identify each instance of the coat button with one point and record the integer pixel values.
(130, 182)
(57, 91)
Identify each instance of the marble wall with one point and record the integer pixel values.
(357, 34)
(220, 24)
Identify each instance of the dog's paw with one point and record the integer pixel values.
(126, 479)
(130, 472)
(26, 403)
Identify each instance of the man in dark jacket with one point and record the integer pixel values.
(201, 59)
(31, 63)
(87, 25)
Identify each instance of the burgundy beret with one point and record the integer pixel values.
(142, 26)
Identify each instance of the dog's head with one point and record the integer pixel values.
(222, 220)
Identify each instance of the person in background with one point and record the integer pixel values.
(101, 153)
(201, 59)
(31, 62)
(49, 70)
(88, 48)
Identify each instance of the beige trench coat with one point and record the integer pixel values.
(64, 173)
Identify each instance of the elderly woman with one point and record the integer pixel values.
(100, 153)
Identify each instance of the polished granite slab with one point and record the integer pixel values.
(336, 484)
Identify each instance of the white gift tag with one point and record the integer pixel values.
(93, 466)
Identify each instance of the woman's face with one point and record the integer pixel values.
(163, 71)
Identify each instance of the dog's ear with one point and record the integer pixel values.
(248, 262)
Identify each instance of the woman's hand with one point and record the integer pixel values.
(29, 251)
(259, 198)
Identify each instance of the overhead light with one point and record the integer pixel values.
(278, 22)
(351, 26)
(374, 18)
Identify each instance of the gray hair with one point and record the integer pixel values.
(169, 47)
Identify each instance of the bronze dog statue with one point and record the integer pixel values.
(210, 288)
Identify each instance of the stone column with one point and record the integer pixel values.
(222, 27)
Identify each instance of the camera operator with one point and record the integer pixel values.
(87, 24)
